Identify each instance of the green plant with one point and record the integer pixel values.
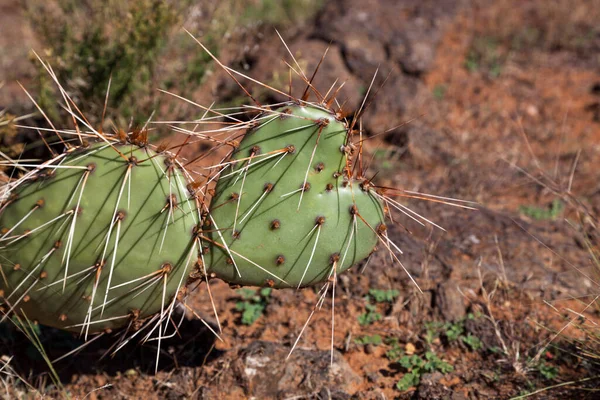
(432, 331)
(253, 304)
(383, 296)
(453, 331)
(112, 223)
(417, 365)
(395, 351)
(439, 91)
(485, 55)
(138, 45)
(472, 341)
(370, 316)
(550, 372)
(541, 214)
(33, 329)
(286, 192)
(32, 332)
(378, 296)
(84, 238)
(372, 339)
(91, 43)
(279, 12)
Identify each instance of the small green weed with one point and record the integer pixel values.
(370, 316)
(548, 371)
(432, 331)
(373, 339)
(395, 351)
(528, 390)
(542, 214)
(439, 92)
(32, 331)
(376, 296)
(409, 380)
(253, 304)
(417, 365)
(485, 56)
(383, 296)
(472, 341)
(452, 332)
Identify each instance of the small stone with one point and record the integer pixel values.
(449, 301)
(373, 377)
(259, 369)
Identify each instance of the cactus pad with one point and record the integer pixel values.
(284, 210)
(100, 242)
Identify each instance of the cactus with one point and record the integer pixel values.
(97, 238)
(107, 236)
(286, 211)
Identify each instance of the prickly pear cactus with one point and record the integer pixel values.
(285, 212)
(100, 238)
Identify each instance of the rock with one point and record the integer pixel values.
(398, 37)
(373, 377)
(265, 373)
(459, 396)
(308, 53)
(594, 109)
(414, 54)
(410, 29)
(426, 145)
(373, 19)
(363, 56)
(449, 301)
(381, 271)
(369, 349)
(332, 394)
(393, 103)
(430, 387)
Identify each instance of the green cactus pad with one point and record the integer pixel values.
(262, 233)
(67, 221)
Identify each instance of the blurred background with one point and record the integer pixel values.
(502, 100)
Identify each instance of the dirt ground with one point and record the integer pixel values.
(503, 99)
